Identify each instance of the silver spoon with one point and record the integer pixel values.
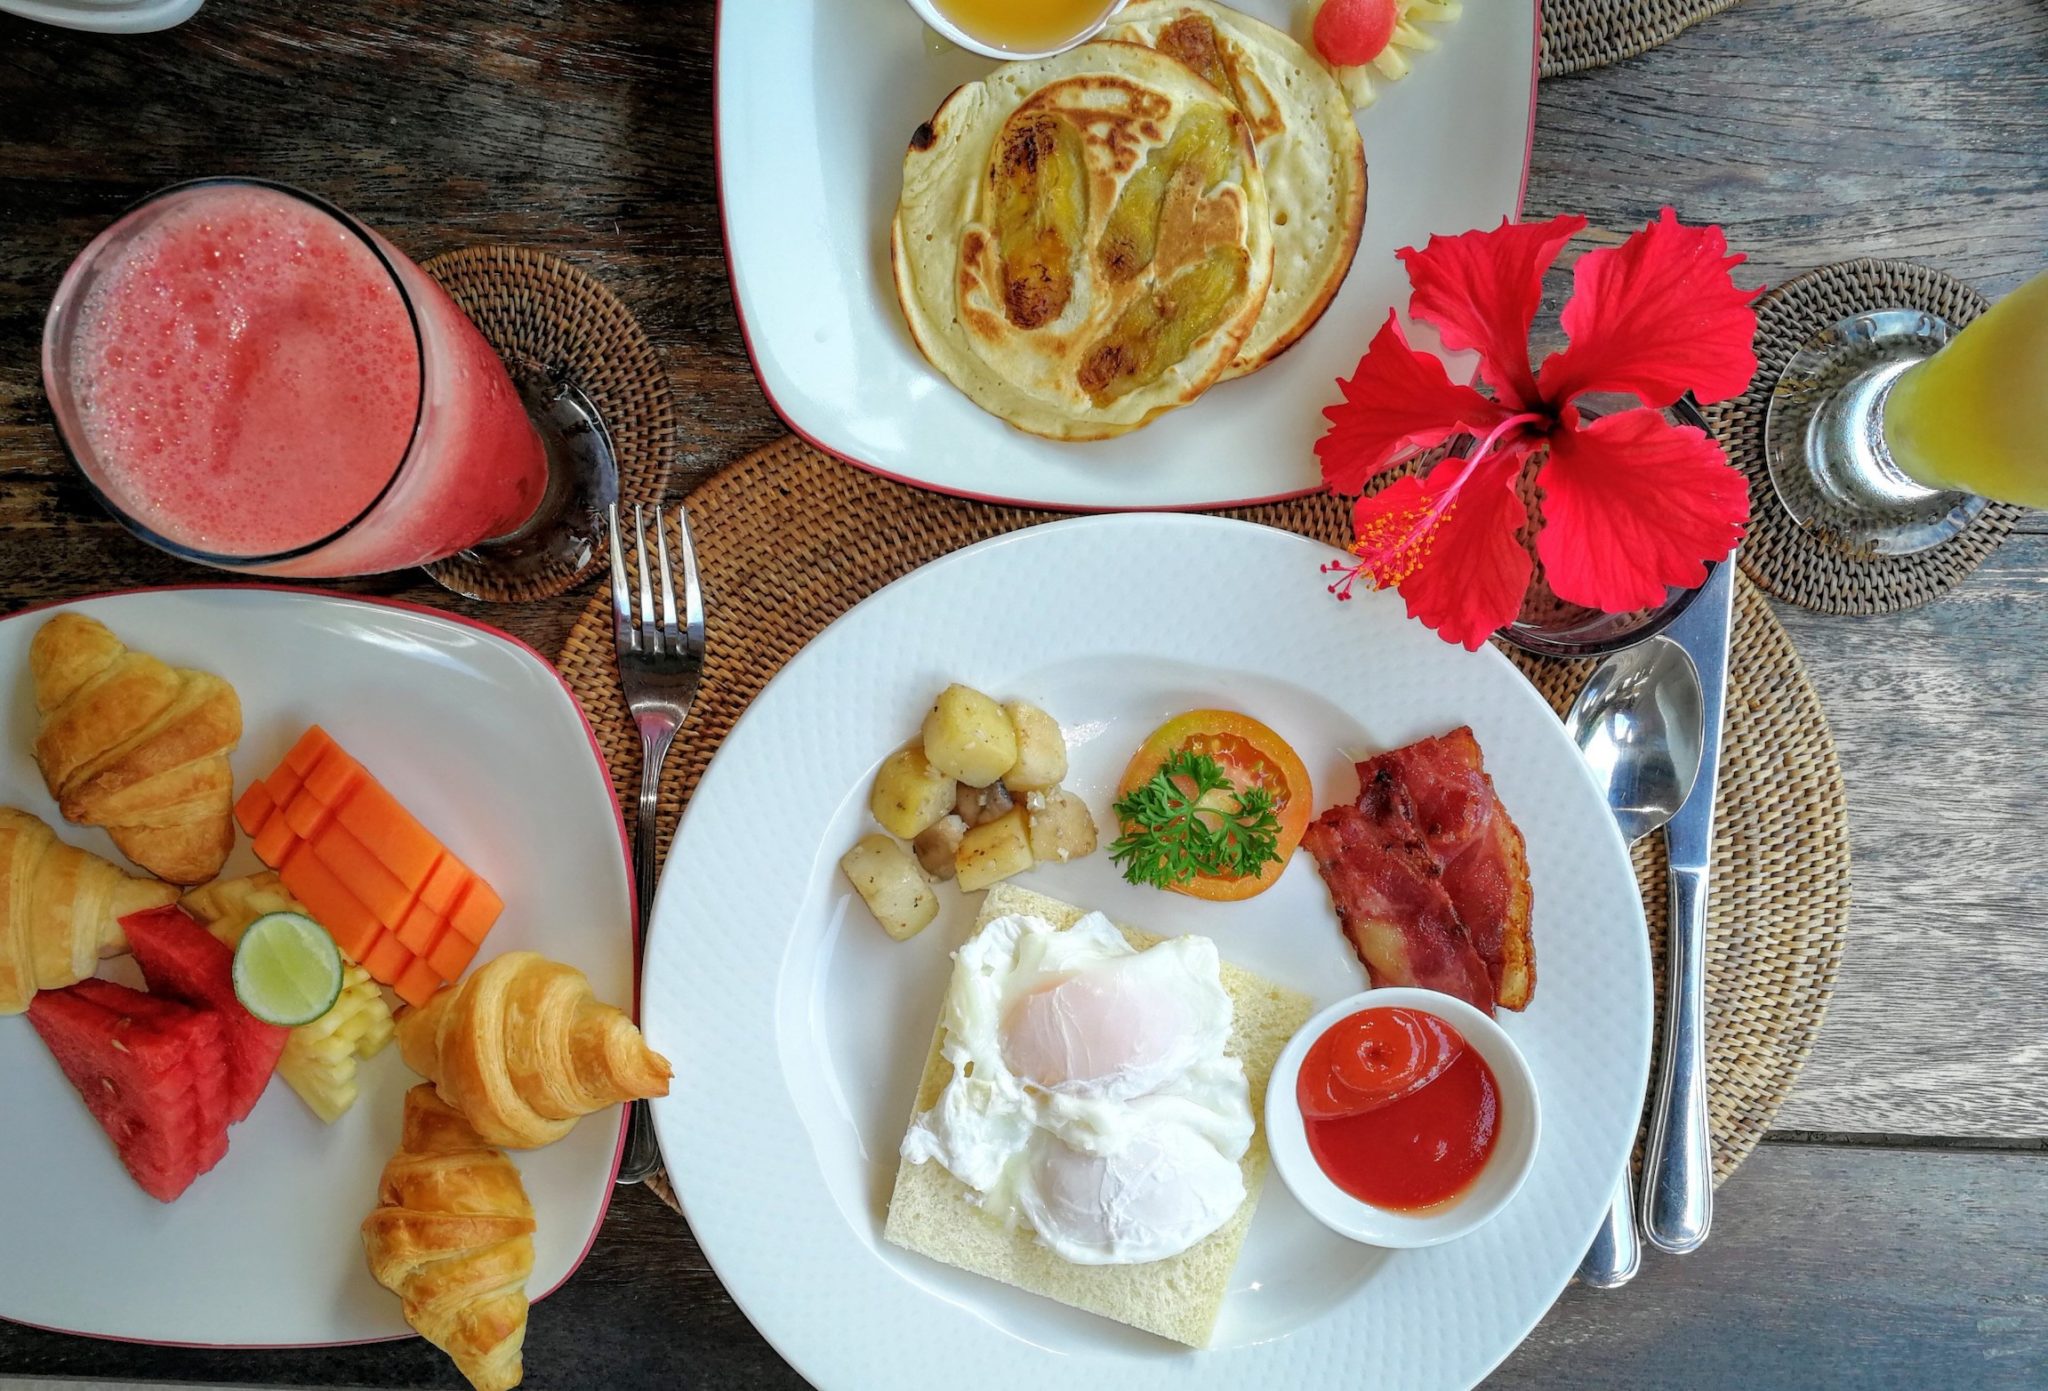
(1638, 723)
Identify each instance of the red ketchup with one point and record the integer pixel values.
(1400, 1113)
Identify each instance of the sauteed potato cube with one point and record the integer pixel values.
(909, 793)
(1060, 827)
(993, 852)
(968, 737)
(1041, 749)
(892, 885)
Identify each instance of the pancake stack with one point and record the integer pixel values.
(1087, 241)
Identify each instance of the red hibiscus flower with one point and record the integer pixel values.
(1631, 503)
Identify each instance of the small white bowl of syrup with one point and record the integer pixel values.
(1402, 1118)
(1016, 28)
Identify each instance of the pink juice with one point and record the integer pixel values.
(244, 377)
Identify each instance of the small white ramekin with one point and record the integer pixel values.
(954, 34)
(1514, 1150)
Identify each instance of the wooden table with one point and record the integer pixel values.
(1894, 1229)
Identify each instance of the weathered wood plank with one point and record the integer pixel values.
(1818, 133)
(1939, 1023)
(1829, 1266)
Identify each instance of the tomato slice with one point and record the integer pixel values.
(1372, 1059)
(1250, 755)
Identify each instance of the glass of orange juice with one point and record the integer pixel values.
(1892, 430)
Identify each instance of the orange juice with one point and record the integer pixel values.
(1975, 415)
(1024, 26)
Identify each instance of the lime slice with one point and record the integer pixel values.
(287, 969)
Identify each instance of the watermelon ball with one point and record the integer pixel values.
(1351, 32)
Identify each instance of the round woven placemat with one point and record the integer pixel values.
(788, 540)
(1809, 568)
(547, 318)
(1581, 34)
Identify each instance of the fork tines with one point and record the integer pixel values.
(650, 634)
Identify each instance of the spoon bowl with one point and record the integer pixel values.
(1639, 724)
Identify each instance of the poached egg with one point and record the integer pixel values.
(1091, 1097)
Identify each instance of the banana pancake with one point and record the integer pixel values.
(1083, 241)
(1310, 153)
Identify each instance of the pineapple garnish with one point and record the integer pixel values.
(319, 1059)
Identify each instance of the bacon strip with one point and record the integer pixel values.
(1391, 901)
(1477, 846)
(1430, 876)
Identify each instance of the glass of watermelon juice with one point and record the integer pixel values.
(251, 379)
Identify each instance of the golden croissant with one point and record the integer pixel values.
(60, 909)
(522, 1049)
(136, 746)
(452, 1237)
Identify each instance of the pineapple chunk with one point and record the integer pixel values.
(228, 906)
(319, 1059)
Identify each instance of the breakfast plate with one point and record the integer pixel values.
(816, 100)
(803, 1028)
(479, 736)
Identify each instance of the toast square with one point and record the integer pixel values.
(930, 1211)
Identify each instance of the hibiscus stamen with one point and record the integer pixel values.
(1512, 423)
(1392, 546)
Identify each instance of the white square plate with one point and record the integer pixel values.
(816, 102)
(480, 739)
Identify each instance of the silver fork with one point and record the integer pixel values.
(660, 663)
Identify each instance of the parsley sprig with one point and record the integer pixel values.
(1175, 828)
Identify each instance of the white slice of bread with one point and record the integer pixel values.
(930, 1211)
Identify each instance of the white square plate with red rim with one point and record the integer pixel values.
(803, 1029)
(816, 102)
(477, 736)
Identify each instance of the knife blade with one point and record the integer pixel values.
(1678, 1160)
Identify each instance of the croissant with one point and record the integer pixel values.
(60, 909)
(522, 1049)
(452, 1237)
(136, 746)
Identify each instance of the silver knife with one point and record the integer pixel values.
(1678, 1160)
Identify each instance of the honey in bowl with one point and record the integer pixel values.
(1025, 26)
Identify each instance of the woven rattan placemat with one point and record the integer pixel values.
(546, 317)
(788, 540)
(1807, 567)
(1581, 34)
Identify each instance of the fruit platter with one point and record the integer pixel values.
(217, 1001)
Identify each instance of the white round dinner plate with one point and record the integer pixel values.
(816, 102)
(475, 734)
(799, 1030)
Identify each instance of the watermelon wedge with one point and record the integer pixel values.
(148, 1071)
(208, 1056)
(184, 962)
